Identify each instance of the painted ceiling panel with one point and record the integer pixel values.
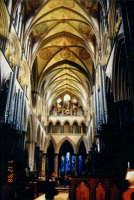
(55, 5)
(65, 54)
(65, 35)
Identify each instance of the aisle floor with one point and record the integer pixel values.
(63, 195)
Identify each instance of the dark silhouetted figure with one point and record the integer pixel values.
(49, 189)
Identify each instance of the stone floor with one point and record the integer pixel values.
(63, 194)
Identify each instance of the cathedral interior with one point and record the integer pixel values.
(67, 88)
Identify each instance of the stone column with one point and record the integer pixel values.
(79, 129)
(71, 129)
(62, 109)
(43, 167)
(31, 152)
(62, 129)
(71, 109)
(76, 164)
(54, 129)
(56, 165)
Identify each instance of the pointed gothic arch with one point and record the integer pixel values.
(62, 142)
(66, 127)
(75, 127)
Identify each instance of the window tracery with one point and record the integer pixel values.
(66, 106)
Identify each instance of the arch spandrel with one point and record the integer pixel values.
(62, 142)
(84, 139)
(47, 143)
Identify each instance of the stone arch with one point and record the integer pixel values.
(112, 21)
(50, 121)
(75, 127)
(66, 126)
(82, 127)
(119, 82)
(57, 121)
(103, 7)
(66, 121)
(13, 50)
(4, 21)
(47, 141)
(79, 142)
(61, 143)
(58, 126)
(50, 127)
(74, 122)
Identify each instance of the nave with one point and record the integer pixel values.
(67, 95)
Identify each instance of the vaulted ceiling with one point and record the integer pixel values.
(65, 38)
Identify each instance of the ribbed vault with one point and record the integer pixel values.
(65, 38)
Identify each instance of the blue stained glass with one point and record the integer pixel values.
(73, 163)
(62, 164)
(80, 164)
(68, 162)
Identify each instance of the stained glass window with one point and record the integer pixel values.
(68, 162)
(73, 163)
(80, 164)
(62, 164)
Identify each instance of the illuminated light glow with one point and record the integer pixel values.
(128, 165)
(59, 100)
(129, 174)
(67, 97)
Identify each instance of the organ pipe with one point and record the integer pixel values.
(22, 108)
(101, 97)
(8, 97)
(18, 111)
(95, 107)
(15, 110)
(12, 98)
(104, 98)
